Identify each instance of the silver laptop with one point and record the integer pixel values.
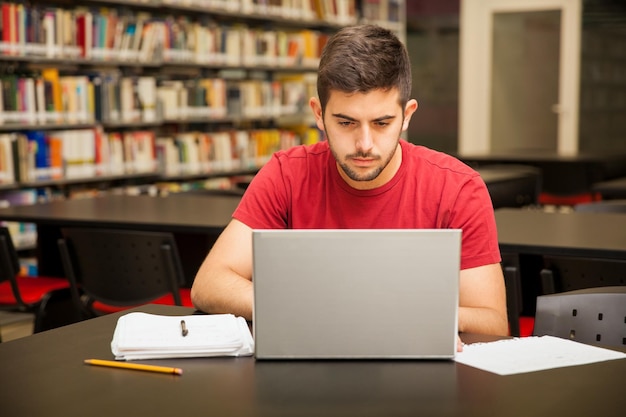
(322, 294)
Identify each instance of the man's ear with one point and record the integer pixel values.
(316, 106)
(409, 109)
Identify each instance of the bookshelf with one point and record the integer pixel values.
(112, 93)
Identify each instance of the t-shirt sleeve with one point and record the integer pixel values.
(264, 204)
(473, 213)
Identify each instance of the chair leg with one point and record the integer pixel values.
(81, 310)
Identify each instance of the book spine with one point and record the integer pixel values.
(7, 168)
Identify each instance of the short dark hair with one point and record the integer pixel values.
(360, 59)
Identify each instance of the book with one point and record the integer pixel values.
(115, 158)
(168, 156)
(39, 143)
(147, 96)
(51, 76)
(84, 32)
(139, 151)
(140, 336)
(78, 152)
(7, 170)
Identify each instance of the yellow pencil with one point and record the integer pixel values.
(135, 366)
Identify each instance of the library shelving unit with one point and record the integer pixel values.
(101, 94)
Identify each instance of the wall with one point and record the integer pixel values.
(433, 44)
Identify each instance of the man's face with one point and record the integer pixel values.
(363, 131)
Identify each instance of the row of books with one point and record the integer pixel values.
(191, 153)
(71, 154)
(44, 97)
(87, 153)
(334, 11)
(215, 98)
(382, 10)
(109, 34)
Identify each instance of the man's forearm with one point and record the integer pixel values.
(482, 320)
(230, 293)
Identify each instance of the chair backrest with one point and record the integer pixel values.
(569, 273)
(593, 316)
(9, 263)
(121, 267)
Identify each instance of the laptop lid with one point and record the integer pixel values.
(356, 293)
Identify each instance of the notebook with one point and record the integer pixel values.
(340, 294)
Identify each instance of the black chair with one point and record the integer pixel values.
(519, 325)
(112, 270)
(593, 316)
(37, 295)
(568, 273)
(562, 274)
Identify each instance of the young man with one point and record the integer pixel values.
(363, 176)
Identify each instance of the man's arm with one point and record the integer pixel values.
(482, 301)
(223, 283)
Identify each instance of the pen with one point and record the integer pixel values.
(135, 366)
(183, 327)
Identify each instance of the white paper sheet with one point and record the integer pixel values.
(528, 354)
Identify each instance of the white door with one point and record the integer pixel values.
(519, 76)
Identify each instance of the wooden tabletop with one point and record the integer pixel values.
(44, 374)
(539, 232)
(191, 213)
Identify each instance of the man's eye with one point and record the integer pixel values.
(345, 123)
(382, 124)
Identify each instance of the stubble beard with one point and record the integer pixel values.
(368, 176)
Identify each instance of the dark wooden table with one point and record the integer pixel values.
(184, 213)
(512, 185)
(196, 221)
(44, 374)
(611, 189)
(527, 231)
(563, 175)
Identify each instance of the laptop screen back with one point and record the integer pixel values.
(355, 293)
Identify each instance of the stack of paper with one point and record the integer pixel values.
(150, 336)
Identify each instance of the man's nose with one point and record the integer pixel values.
(365, 141)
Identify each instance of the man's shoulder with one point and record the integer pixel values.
(303, 152)
(437, 159)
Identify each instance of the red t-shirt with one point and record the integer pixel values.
(300, 188)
